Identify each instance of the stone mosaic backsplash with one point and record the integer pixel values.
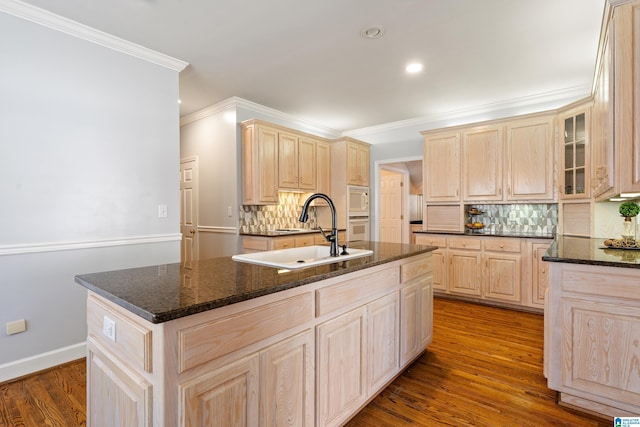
(259, 219)
(540, 218)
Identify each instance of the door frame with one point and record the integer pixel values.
(387, 164)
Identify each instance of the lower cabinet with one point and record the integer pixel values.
(118, 396)
(592, 336)
(269, 388)
(505, 270)
(308, 356)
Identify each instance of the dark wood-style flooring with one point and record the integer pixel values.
(484, 368)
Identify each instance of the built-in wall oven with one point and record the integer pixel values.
(358, 213)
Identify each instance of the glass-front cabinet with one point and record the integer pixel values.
(574, 155)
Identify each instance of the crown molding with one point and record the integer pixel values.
(236, 102)
(84, 32)
(529, 101)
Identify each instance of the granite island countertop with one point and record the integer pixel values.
(590, 251)
(165, 292)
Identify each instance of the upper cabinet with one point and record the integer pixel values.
(482, 149)
(277, 158)
(357, 163)
(574, 160)
(616, 105)
(505, 160)
(259, 163)
(530, 159)
(296, 162)
(441, 166)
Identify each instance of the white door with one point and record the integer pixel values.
(391, 206)
(189, 211)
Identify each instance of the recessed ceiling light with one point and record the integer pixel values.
(372, 32)
(414, 68)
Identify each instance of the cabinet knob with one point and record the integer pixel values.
(501, 246)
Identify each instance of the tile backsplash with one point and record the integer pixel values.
(541, 218)
(259, 219)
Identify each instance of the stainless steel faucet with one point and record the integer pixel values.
(333, 237)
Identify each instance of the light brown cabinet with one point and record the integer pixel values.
(616, 105)
(259, 163)
(482, 154)
(591, 335)
(441, 177)
(530, 158)
(311, 355)
(501, 270)
(504, 270)
(574, 154)
(323, 169)
(296, 162)
(357, 163)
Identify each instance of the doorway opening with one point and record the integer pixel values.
(398, 189)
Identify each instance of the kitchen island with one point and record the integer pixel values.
(228, 343)
(592, 326)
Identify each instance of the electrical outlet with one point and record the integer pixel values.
(109, 328)
(229, 211)
(16, 327)
(162, 211)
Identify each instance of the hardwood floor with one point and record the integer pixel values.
(484, 368)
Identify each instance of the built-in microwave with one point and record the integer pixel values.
(357, 201)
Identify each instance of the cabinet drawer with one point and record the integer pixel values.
(420, 267)
(132, 340)
(502, 245)
(464, 243)
(431, 240)
(304, 241)
(209, 340)
(255, 244)
(284, 243)
(357, 290)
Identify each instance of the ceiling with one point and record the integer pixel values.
(307, 58)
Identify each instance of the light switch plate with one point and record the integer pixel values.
(162, 211)
(16, 327)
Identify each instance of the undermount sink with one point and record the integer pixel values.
(295, 258)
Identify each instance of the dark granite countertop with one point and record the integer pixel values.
(282, 233)
(166, 292)
(522, 234)
(585, 250)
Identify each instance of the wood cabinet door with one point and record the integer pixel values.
(341, 371)
(287, 382)
(482, 158)
(540, 275)
(599, 350)
(530, 164)
(357, 164)
(267, 164)
(117, 396)
(384, 336)
(464, 272)
(225, 397)
(442, 167)
(306, 164)
(287, 161)
(439, 269)
(501, 277)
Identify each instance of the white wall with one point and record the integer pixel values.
(212, 140)
(89, 147)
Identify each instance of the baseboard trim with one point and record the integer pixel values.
(20, 368)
